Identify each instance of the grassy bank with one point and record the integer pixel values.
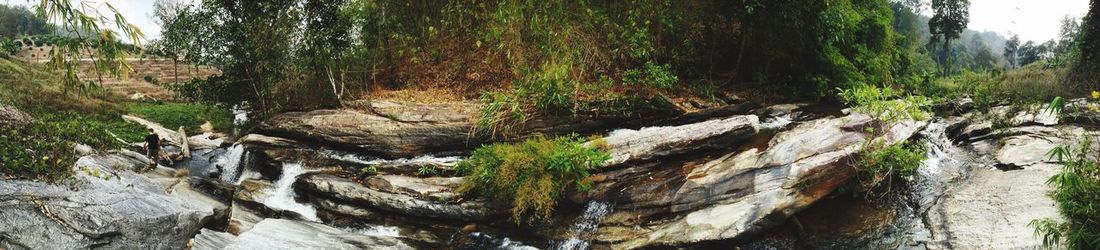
(43, 148)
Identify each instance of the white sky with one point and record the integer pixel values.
(1036, 20)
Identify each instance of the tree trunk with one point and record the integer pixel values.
(176, 70)
(946, 56)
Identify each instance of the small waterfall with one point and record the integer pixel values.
(230, 163)
(586, 223)
(282, 197)
(777, 122)
(367, 160)
(377, 230)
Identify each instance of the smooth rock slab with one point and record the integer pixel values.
(289, 234)
(653, 142)
(110, 208)
(423, 197)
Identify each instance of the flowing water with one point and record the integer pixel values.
(368, 160)
(586, 223)
(282, 195)
(230, 163)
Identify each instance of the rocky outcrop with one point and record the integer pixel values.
(432, 197)
(107, 207)
(992, 208)
(289, 234)
(739, 193)
(653, 142)
(371, 133)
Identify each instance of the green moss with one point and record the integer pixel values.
(189, 116)
(532, 174)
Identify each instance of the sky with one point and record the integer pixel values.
(1036, 20)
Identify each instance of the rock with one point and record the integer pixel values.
(12, 116)
(1027, 145)
(371, 133)
(211, 240)
(992, 210)
(205, 141)
(288, 234)
(421, 197)
(737, 194)
(242, 219)
(110, 207)
(83, 150)
(653, 142)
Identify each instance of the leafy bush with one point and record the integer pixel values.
(532, 174)
(879, 162)
(886, 104)
(189, 116)
(1077, 192)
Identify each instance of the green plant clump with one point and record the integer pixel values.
(886, 104)
(1077, 192)
(533, 173)
(879, 163)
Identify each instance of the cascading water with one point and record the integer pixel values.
(281, 196)
(230, 162)
(586, 223)
(367, 160)
(376, 230)
(777, 122)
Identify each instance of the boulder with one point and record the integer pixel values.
(652, 142)
(371, 133)
(290, 234)
(421, 197)
(107, 207)
(736, 194)
(12, 116)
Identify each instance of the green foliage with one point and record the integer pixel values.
(886, 104)
(532, 174)
(1026, 86)
(7, 47)
(19, 21)
(189, 116)
(949, 20)
(44, 149)
(1077, 192)
(879, 162)
(427, 171)
(371, 170)
(92, 33)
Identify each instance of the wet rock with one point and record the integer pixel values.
(740, 193)
(421, 197)
(992, 210)
(653, 142)
(289, 234)
(108, 207)
(242, 218)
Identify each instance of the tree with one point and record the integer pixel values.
(1012, 51)
(173, 16)
(1087, 69)
(91, 29)
(950, 19)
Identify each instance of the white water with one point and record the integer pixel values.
(230, 163)
(377, 230)
(777, 122)
(587, 222)
(282, 195)
(366, 160)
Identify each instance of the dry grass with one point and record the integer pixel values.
(426, 95)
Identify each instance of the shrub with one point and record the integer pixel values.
(879, 162)
(532, 174)
(1077, 192)
(886, 104)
